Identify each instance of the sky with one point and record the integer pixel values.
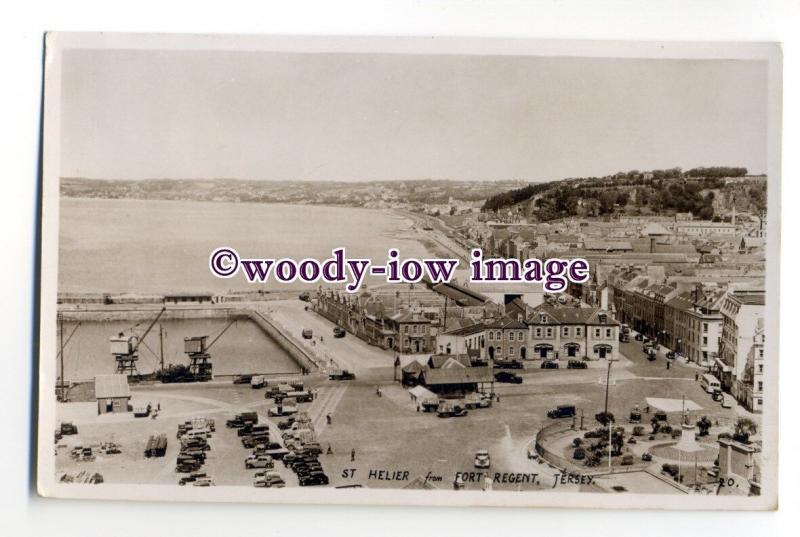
(136, 114)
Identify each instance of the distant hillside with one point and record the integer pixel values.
(705, 192)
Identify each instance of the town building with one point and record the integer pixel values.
(693, 324)
(506, 338)
(742, 315)
(572, 330)
(751, 385)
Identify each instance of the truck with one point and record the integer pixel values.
(449, 410)
(242, 419)
(258, 381)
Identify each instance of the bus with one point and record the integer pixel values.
(710, 383)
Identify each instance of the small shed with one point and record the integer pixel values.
(412, 373)
(112, 393)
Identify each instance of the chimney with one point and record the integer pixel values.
(652, 245)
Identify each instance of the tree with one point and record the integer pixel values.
(617, 440)
(704, 424)
(743, 429)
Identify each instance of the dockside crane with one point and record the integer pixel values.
(126, 349)
(200, 367)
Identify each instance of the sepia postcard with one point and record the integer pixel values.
(413, 271)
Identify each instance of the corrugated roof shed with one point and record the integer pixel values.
(109, 386)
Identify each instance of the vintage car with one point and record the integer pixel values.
(482, 459)
(505, 376)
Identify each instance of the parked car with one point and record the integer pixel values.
(258, 461)
(307, 333)
(283, 410)
(482, 459)
(550, 364)
(313, 479)
(505, 376)
(577, 364)
(203, 482)
(646, 457)
(68, 427)
(268, 479)
(727, 401)
(671, 355)
(242, 379)
(192, 477)
(561, 411)
(338, 332)
(305, 296)
(508, 364)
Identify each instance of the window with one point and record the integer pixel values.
(608, 333)
(543, 319)
(597, 333)
(565, 331)
(491, 336)
(499, 335)
(520, 336)
(578, 331)
(538, 332)
(549, 332)
(511, 350)
(760, 386)
(705, 340)
(511, 336)
(705, 327)
(760, 368)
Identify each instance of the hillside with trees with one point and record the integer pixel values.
(662, 192)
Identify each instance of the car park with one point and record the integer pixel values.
(505, 376)
(482, 459)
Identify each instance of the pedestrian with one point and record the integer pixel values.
(159, 407)
(417, 408)
(668, 364)
(329, 419)
(330, 450)
(353, 455)
(696, 377)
